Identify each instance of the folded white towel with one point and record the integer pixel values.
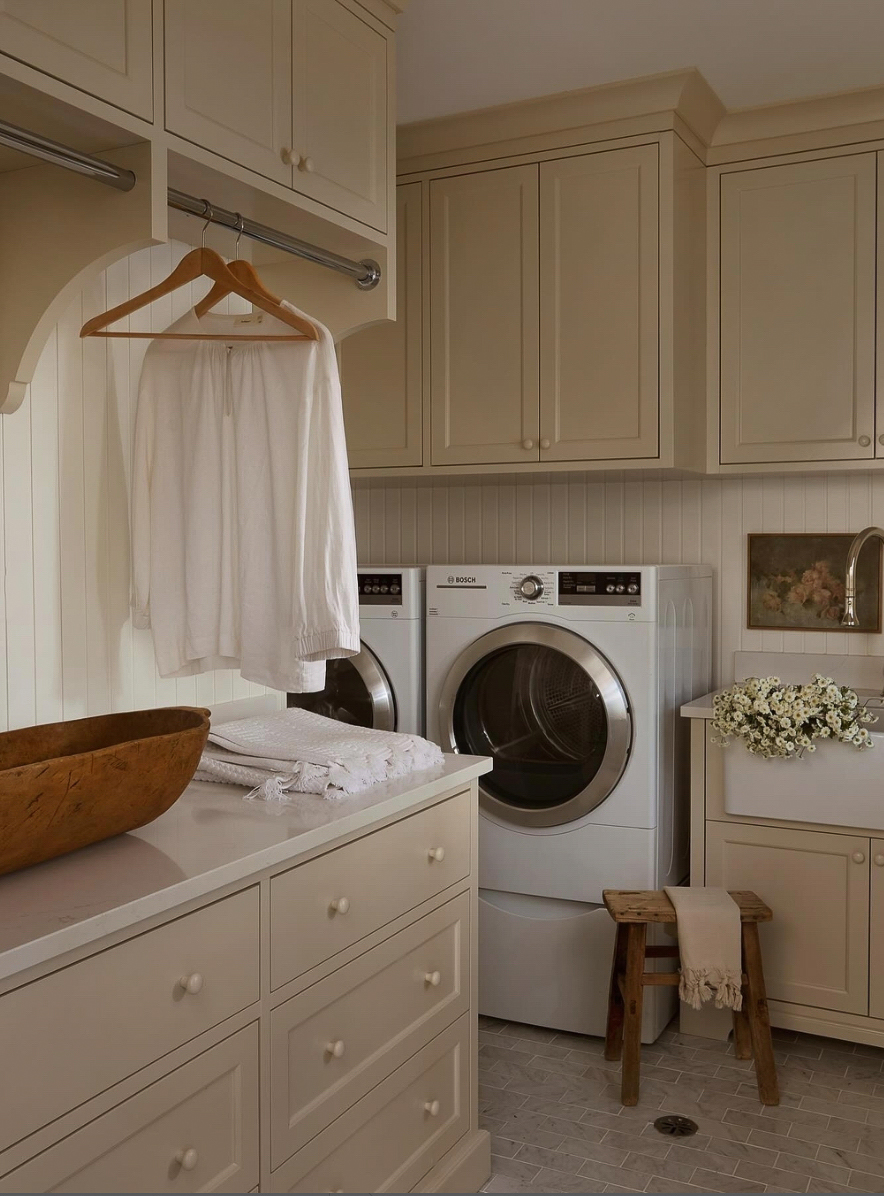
(296, 751)
(709, 946)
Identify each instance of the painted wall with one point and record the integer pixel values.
(566, 521)
(67, 645)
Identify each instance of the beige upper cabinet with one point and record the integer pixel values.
(339, 113)
(103, 47)
(229, 80)
(381, 366)
(879, 422)
(484, 385)
(599, 329)
(816, 949)
(797, 316)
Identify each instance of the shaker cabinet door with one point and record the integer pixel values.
(229, 80)
(484, 317)
(599, 334)
(797, 311)
(876, 935)
(381, 366)
(816, 949)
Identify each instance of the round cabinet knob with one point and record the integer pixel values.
(306, 164)
(335, 1049)
(340, 905)
(191, 984)
(531, 587)
(859, 857)
(290, 157)
(432, 1107)
(434, 979)
(544, 444)
(187, 1159)
(879, 860)
(437, 854)
(527, 444)
(865, 441)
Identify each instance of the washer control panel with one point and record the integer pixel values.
(615, 587)
(380, 589)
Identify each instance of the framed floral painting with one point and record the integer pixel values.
(796, 583)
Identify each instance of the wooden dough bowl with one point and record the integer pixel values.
(65, 785)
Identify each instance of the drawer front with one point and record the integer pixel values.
(396, 1133)
(333, 901)
(77, 1031)
(334, 1042)
(195, 1130)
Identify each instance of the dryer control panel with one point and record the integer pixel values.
(380, 589)
(615, 587)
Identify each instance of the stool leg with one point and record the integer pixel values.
(742, 1030)
(614, 1030)
(632, 1020)
(759, 1018)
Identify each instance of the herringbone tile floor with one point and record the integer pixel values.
(552, 1105)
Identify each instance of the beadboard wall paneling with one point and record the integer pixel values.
(67, 645)
(576, 519)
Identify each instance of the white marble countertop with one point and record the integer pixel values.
(208, 839)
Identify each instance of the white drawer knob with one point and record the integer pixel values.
(544, 444)
(865, 441)
(290, 157)
(527, 444)
(859, 857)
(879, 860)
(434, 979)
(187, 1159)
(191, 984)
(306, 164)
(432, 1107)
(336, 1048)
(340, 905)
(437, 854)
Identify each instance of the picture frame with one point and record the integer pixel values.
(795, 582)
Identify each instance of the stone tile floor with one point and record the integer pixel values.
(552, 1105)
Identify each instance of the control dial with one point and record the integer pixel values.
(531, 588)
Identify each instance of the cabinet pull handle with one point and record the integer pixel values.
(340, 905)
(527, 444)
(306, 164)
(879, 860)
(434, 979)
(437, 854)
(859, 857)
(191, 984)
(187, 1159)
(290, 157)
(881, 438)
(544, 444)
(432, 1107)
(865, 441)
(336, 1048)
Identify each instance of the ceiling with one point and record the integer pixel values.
(454, 55)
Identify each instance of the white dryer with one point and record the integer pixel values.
(571, 678)
(383, 686)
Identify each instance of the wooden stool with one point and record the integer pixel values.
(633, 911)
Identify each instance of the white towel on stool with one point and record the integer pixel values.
(709, 946)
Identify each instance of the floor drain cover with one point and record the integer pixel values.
(675, 1126)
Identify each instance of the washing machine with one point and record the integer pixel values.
(571, 679)
(383, 685)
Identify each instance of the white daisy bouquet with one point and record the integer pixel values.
(780, 721)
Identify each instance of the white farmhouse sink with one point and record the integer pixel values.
(837, 784)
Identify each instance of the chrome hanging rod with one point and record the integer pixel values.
(366, 274)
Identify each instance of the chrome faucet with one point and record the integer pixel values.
(856, 547)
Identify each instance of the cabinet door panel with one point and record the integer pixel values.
(599, 333)
(879, 421)
(229, 80)
(797, 311)
(816, 949)
(340, 110)
(103, 47)
(381, 372)
(484, 317)
(876, 939)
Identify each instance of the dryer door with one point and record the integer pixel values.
(550, 710)
(357, 691)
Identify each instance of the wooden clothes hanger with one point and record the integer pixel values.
(244, 271)
(206, 262)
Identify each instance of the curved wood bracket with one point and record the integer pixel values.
(59, 229)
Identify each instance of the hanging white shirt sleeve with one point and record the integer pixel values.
(142, 463)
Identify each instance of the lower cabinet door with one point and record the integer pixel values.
(392, 1137)
(876, 938)
(816, 949)
(195, 1130)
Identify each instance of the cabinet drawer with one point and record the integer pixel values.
(77, 1031)
(333, 901)
(376, 1012)
(396, 1133)
(207, 1109)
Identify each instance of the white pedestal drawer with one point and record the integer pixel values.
(342, 896)
(77, 1031)
(332, 1043)
(397, 1132)
(195, 1130)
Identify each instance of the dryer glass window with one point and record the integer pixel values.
(542, 718)
(357, 691)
